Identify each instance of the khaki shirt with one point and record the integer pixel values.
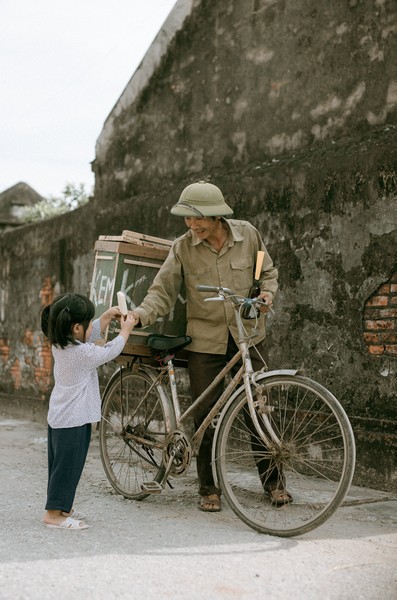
(192, 261)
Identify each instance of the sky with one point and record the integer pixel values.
(63, 67)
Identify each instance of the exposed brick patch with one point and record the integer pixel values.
(378, 301)
(28, 337)
(43, 371)
(380, 320)
(16, 373)
(46, 292)
(4, 350)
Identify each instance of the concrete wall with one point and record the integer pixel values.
(289, 106)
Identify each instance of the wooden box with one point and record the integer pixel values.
(129, 263)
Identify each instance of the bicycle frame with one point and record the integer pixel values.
(232, 390)
(268, 422)
(245, 374)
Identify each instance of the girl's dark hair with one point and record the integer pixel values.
(58, 318)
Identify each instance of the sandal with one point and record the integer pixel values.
(210, 503)
(68, 523)
(74, 514)
(278, 495)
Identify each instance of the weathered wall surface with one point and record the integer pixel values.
(249, 79)
(37, 263)
(290, 107)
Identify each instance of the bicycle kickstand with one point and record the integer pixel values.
(153, 487)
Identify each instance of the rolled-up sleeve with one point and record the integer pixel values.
(163, 292)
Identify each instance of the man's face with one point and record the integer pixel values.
(201, 226)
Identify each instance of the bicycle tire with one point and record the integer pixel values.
(316, 459)
(138, 410)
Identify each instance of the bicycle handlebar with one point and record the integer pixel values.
(228, 293)
(213, 288)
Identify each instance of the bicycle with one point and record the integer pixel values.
(301, 426)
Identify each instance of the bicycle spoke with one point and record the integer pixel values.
(313, 458)
(132, 434)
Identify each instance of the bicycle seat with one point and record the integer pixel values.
(158, 341)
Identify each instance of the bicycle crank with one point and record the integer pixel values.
(177, 456)
(178, 446)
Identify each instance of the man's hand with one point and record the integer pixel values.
(268, 298)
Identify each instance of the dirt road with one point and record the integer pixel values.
(165, 548)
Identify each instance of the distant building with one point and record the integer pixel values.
(13, 203)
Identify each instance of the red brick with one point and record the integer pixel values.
(390, 313)
(384, 289)
(381, 325)
(393, 299)
(380, 313)
(376, 349)
(380, 337)
(47, 292)
(378, 301)
(392, 349)
(28, 337)
(393, 287)
(16, 373)
(4, 350)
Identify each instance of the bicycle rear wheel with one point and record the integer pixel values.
(132, 433)
(315, 458)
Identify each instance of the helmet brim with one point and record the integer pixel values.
(221, 210)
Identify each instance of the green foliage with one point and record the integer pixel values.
(72, 197)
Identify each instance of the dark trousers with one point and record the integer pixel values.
(67, 453)
(203, 368)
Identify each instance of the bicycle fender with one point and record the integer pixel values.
(257, 377)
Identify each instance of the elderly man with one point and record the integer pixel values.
(221, 252)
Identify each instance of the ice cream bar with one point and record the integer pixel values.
(122, 304)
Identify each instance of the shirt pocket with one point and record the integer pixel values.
(198, 276)
(242, 273)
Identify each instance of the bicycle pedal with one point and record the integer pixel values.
(151, 487)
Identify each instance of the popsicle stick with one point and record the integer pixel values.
(259, 262)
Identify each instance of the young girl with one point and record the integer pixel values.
(75, 400)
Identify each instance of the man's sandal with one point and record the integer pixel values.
(210, 503)
(278, 495)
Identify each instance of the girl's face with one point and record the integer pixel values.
(89, 331)
(78, 332)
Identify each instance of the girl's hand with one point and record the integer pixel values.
(113, 313)
(108, 315)
(127, 324)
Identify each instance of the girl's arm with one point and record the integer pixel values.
(108, 315)
(91, 355)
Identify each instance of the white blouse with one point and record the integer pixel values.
(75, 399)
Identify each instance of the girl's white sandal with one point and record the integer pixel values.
(69, 523)
(75, 514)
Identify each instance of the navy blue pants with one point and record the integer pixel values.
(203, 368)
(67, 453)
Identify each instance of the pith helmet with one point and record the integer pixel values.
(201, 199)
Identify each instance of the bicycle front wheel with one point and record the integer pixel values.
(132, 433)
(312, 456)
